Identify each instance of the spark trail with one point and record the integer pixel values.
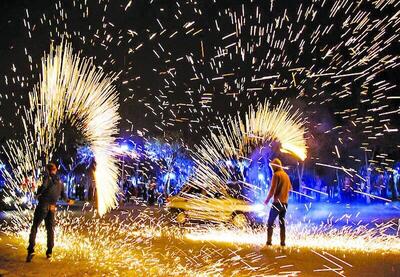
(71, 89)
(237, 139)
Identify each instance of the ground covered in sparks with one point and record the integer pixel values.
(138, 241)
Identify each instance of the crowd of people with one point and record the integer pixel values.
(367, 187)
(147, 191)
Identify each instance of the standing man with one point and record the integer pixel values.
(280, 187)
(152, 192)
(48, 194)
(396, 182)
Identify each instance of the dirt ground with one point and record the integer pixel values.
(141, 254)
(235, 262)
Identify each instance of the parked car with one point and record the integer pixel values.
(228, 206)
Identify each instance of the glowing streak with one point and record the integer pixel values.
(324, 193)
(372, 196)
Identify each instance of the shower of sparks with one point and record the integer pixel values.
(72, 90)
(360, 238)
(147, 245)
(185, 65)
(189, 63)
(238, 138)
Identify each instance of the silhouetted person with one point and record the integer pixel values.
(48, 194)
(280, 188)
(396, 184)
(347, 190)
(152, 192)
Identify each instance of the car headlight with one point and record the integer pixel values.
(259, 209)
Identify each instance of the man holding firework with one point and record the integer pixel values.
(48, 194)
(280, 188)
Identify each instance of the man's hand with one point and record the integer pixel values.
(70, 202)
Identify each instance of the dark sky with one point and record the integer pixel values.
(182, 64)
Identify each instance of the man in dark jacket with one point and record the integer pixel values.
(279, 190)
(48, 194)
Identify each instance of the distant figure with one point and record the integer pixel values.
(82, 192)
(380, 186)
(393, 189)
(144, 191)
(347, 190)
(396, 182)
(318, 186)
(48, 194)
(92, 194)
(152, 192)
(280, 188)
(303, 191)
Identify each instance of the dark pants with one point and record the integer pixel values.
(277, 209)
(42, 212)
(151, 197)
(346, 196)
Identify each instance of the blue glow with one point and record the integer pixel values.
(172, 164)
(259, 209)
(133, 181)
(125, 147)
(85, 156)
(171, 176)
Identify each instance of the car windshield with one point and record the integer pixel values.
(239, 191)
(235, 190)
(193, 191)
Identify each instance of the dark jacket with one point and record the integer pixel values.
(51, 190)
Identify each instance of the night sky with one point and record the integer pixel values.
(184, 64)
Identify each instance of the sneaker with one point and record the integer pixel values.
(283, 244)
(29, 257)
(268, 243)
(48, 254)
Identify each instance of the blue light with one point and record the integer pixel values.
(261, 177)
(169, 176)
(260, 209)
(125, 147)
(133, 180)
